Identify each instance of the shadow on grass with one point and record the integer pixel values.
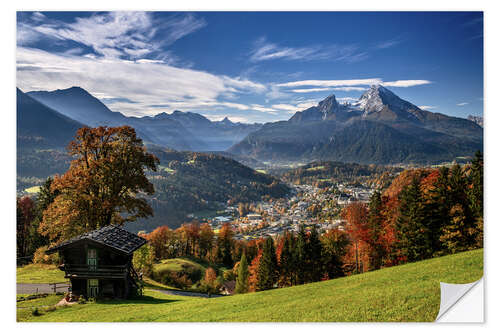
(138, 300)
(158, 285)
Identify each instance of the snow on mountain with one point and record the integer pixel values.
(377, 97)
(477, 119)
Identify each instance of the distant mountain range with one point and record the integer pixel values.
(178, 130)
(379, 128)
(40, 125)
(42, 135)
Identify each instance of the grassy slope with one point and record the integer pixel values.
(177, 265)
(25, 308)
(36, 273)
(403, 293)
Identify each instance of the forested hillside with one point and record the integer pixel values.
(324, 173)
(187, 182)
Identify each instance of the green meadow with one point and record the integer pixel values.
(38, 273)
(408, 292)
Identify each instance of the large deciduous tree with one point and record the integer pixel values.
(25, 215)
(102, 184)
(356, 216)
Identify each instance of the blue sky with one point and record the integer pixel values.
(253, 66)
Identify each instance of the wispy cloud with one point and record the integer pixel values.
(346, 85)
(405, 83)
(473, 22)
(179, 26)
(427, 107)
(37, 17)
(349, 89)
(347, 99)
(112, 35)
(264, 50)
(331, 83)
(292, 108)
(276, 93)
(123, 81)
(462, 104)
(310, 90)
(388, 43)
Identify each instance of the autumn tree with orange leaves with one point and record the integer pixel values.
(102, 184)
(253, 270)
(356, 216)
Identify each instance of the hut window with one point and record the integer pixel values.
(92, 287)
(92, 259)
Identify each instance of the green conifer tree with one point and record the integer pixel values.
(438, 207)
(335, 244)
(459, 234)
(300, 256)
(267, 273)
(375, 227)
(314, 260)
(242, 278)
(414, 236)
(476, 185)
(475, 194)
(285, 269)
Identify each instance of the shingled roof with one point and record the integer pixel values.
(111, 235)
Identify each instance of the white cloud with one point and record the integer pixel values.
(111, 35)
(179, 26)
(388, 43)
(347, 99)
(149, 61)
(243, 84)
(427, 107)
(148, 84)
(262, 108)
(405, 83)
(286, 107)
(292, 108)
(264, 50)
(309, 90)
(349, 89)
(37, 16)
(346, 85)
(462, 104)
(115, 34)
(26, 35)
(331, 83)
(276, 93)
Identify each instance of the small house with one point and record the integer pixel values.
(228, 288)
(99, 263)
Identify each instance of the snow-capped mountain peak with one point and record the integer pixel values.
(378, 97)
(328, 105)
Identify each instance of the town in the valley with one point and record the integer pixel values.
(308, 205)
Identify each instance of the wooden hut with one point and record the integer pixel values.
(99, 263)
